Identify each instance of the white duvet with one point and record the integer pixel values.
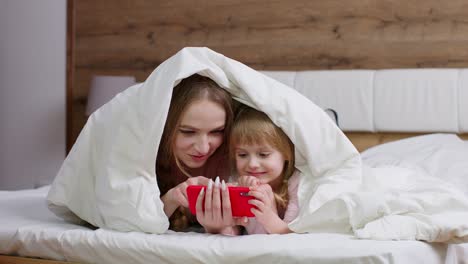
(108, 179)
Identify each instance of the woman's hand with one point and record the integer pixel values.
(177, 196)
(217, 215)
(266, 212)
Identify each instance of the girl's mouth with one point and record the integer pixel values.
(256, 174)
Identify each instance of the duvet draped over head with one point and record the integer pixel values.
(108, 178)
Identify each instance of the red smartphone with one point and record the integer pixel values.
(238, 195)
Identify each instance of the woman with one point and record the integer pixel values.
(193, 151)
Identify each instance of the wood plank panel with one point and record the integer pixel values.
(133, 37)
(24, 260)
(363, 141)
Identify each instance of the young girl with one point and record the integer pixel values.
(264, 159)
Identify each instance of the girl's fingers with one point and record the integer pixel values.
(257, 194)
(259, 204)
(256, 212)
(251, 182)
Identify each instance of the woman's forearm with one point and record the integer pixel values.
(169, 205)
(229, 231)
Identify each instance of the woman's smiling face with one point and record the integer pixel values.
(199, 133)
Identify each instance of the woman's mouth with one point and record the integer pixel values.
(199, 158)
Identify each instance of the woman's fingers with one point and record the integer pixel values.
(179, 195)
(183, 191)
(199, 204)
(208, 200)
(214, 213)
(227, 213)
(217, 200)
(200, 180)
(242, 221)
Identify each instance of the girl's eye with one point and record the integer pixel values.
(241, 155)
(264, 154)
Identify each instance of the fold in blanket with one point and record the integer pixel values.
(109, 180)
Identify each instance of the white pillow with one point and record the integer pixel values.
(444, 156)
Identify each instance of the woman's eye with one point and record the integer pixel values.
(220, 131)
(186, 132)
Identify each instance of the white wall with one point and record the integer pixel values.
(32, 91)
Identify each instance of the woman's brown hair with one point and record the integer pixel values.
(189, 90)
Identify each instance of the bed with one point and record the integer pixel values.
(31, 230)
(367, 102)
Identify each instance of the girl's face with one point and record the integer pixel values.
(261, 161)
(200, 133)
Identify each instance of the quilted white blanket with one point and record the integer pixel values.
(108, 179)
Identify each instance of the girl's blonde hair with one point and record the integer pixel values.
(189, 90)
(254, 127)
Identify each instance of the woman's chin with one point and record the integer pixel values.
(194, 164)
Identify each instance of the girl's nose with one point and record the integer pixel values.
(253, 163)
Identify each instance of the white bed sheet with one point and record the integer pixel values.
(27, 228)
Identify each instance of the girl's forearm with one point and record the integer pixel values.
(278, 227)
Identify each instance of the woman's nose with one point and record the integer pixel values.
(202, 145)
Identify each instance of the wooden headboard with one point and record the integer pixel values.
(363, 141)
(134, 37)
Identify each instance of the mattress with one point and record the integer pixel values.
(28, 228)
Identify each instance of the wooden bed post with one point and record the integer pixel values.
(70, 72)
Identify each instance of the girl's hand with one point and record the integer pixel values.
(248, 181)
(266, 212)
(177, 196)
(217, 216)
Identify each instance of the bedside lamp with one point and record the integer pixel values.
(104, 88)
